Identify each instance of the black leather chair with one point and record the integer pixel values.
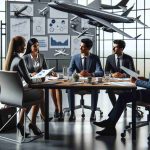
(82, 93)
(12, 93)
(139, 123)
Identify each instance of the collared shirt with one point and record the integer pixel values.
(121, 59)
(36, 62)
(82, 58)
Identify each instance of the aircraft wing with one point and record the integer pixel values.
(109, 25)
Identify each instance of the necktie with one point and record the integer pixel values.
(118, 64)
(84, 63)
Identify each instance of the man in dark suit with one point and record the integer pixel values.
(85, 64)
(123, 99)
(113, 63)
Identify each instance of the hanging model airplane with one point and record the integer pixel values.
(60, 52)
(94, 14)
(121, 4)
(83, 32)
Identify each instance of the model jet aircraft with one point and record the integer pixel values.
(19, 12)
(121, 4)
(83, 32)
(96, 15)
(43, 11)
(60, 52)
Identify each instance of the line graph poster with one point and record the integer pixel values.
(59, 41)
(18, 26)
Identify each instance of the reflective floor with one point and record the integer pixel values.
(80, 135)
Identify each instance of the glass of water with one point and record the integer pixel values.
(107, 76)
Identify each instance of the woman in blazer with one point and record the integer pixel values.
(35, 62)
(15, 63)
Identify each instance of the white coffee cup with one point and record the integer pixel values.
(98, 79)
(60, 76)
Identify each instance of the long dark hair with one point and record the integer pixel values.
(31, 42)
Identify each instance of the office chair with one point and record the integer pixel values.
(82, 93)
(139, 123)
(12, 93)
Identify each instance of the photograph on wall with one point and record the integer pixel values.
(59, 41)
(20, 26)
(75, 44)
(43, 42)
(57, 14)
(57, 26)
(38, 25)
(21, 9)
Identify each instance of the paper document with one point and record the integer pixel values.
(43, 73)
(130, 72)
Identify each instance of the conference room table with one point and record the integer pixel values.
(113, 84)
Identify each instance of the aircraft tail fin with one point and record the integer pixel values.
(137, 36)
(95, 4)
(122, 3)
(127, 11)
(137, 19)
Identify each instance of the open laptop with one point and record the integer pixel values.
(130, 72)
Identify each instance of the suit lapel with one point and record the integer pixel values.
(79, 62)
(114, 61)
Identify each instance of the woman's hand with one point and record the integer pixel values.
(33, 74)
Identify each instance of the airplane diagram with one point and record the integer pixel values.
(97, 16)
(43, 11)
(60, 52)
(19, 12)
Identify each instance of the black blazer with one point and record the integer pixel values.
(29, 63)
(18, 65)
(126, 62)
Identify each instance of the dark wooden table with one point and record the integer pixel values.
(65, 84)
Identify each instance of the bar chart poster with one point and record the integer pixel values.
(59, 41)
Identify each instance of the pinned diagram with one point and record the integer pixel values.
(17, 26)
(60, 52)
(43, 11)
(57, 25)
(38, 25)
(21, 10)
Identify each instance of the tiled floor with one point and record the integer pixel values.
(80, 135)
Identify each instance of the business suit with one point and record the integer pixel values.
(127, 61)
(18, 65)
(94, 67)
(29, 63)
(111, 66)
(124, 98)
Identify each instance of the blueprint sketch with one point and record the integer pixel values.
(38, 25)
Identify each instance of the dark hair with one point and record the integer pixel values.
(87, 42)
(31, 42)
(120, 43)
